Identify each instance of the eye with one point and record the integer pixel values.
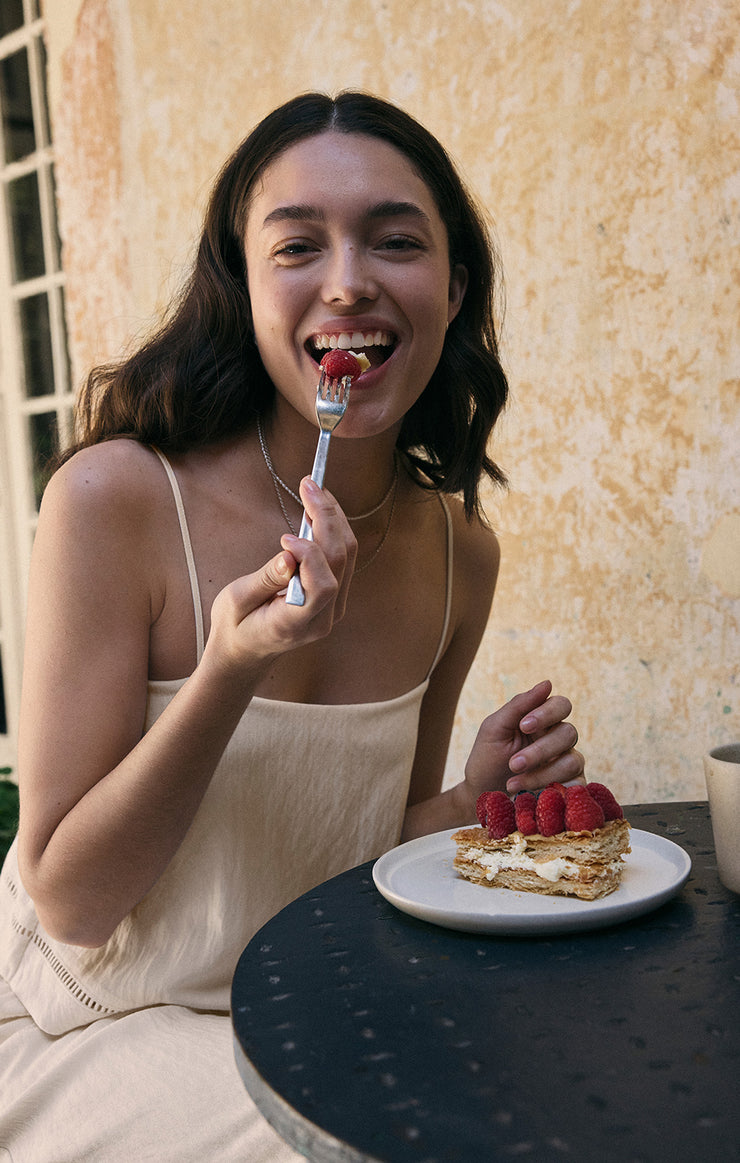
(293, 251)
(401, 243)
(400, 247)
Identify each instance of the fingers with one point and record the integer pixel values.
(567, 768)
(549, 759)
(527, 705)
(547, 745)
(550, 712)
(326, 562)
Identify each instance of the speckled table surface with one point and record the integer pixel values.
(367, 1035)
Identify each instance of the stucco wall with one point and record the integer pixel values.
(604, 138)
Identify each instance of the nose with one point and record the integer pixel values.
(348, 278)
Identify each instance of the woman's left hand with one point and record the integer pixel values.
(525, 745)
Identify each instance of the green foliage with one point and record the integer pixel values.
(8, 813)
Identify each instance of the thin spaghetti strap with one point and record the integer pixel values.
(448, 595)
(190, 559)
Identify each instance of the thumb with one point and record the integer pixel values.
(278, 571)
(272, 578)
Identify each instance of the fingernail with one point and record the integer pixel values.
(513, 785)
(518, 763)
(311, 486)
(528, 722)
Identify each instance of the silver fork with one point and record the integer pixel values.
(332, 397)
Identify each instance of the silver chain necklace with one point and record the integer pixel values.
(279, 484)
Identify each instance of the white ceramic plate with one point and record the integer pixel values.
(418, 878)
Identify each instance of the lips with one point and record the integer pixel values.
(376, 345)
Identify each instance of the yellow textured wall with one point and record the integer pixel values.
(604, 137)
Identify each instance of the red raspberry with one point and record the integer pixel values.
(500, 819)
(550, 813)
(606, 801)
(481, 807)
(339, 363)
(558, 788)
(524, 813)
(582, 813)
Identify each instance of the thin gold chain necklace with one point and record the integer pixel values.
(280, 484)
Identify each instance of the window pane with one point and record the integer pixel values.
(11, 15)
(25, 228)
(15, 99)
(38, 363)
(44, 444)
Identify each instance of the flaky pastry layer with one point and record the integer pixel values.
(585, 864)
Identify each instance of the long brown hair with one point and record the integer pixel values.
(199, 378)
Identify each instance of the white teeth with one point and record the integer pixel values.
(346, 341)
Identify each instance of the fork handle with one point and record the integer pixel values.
(296, 595)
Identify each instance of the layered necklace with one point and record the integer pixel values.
(281, 487)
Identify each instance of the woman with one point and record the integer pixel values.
(195, 752)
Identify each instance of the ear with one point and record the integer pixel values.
(458, 287)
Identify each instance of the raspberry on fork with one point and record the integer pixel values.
(339, 363)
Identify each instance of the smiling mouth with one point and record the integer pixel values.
(377, 346)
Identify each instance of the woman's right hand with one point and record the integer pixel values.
(251, 623)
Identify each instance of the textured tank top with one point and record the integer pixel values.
(302, 792)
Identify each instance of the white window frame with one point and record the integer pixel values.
(18, 511)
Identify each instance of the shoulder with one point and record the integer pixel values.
(106, 534)
(476, 559)
(118, 477)
(107, 512)
(476, 547)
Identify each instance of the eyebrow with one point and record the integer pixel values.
(307, 213)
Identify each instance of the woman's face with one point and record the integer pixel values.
(345, 247)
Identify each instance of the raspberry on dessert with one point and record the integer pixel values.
(340, 363)
(500, 818)
(558, 788)
(550, 811)
(481, 807)
(525, 805)
(582, 813)
(606, 801)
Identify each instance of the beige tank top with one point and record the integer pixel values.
(302, 793)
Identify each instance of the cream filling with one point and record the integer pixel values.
(553, 870)
(362, 359)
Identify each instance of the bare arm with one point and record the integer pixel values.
(524, 744)
(103, 807)
(477, 558)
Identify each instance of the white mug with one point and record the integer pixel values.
(722, 774)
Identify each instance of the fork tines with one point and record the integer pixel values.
(332, 389)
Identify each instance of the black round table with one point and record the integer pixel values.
(364, 1034)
